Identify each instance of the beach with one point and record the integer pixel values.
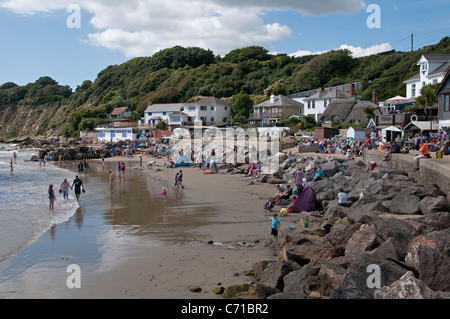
(127, 246)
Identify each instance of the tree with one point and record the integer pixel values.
(241, 105)
(369, 112)
(427, 96)
(162, 125)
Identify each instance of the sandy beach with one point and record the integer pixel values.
(127, 247)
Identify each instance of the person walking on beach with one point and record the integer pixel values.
(164, 195)
(64, 188)
(78, 183)
(111, 181)
(80, 168)
(123, 170)
(51, 197)
(11, 168)
(275, 226)
(15, 156)
(119, 170)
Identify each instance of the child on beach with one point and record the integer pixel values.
(51, 197)
(342, 197)
(164, 195)
(275, 226)
(111, 181)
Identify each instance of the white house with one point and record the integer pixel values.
(115, 134)
(317, 103)
(155, 113)
(209, 110)
(432, 71)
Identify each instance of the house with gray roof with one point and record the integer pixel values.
(433, 68)
(277, 108)
(346, 111)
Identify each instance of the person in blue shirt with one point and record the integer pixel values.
(275, 226)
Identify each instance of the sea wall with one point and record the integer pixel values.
(432, 171)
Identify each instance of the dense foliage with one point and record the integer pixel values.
(179, 74)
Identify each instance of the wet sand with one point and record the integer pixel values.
(128, 247)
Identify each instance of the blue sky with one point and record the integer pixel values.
(36, 40)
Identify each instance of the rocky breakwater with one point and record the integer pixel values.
(392, 242)
(70, 149)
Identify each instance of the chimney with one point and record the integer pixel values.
(374, 97)
(273, 98)
(352, 89)
(320, 91)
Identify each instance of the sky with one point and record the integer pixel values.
(73, 40)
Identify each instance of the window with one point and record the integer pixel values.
(149, 113)
(164, 113)
(212, 119)
(203, 108)
(191, 107)
(212, 108)
(176, 119)
(447, 102)
(309, 104)
(413, 90)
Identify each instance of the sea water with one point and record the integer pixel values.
(24, 203)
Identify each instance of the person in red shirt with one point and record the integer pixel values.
(423, 153)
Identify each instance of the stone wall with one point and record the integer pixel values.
(430, 172)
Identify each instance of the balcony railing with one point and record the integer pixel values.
(256, 116)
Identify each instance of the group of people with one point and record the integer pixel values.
(77, 186)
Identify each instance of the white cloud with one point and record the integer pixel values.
(357, 52)
(143, 27)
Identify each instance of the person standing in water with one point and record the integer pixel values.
(78, 183)
(51, 197)
(111, 181)
(65, 188)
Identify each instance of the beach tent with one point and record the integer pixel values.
(306, 201)
(182, 160)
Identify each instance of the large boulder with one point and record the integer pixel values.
(273, 275)
(364, 239)
(430, 205)
(407, 287)
(404, 205)
(429, 254)
(354, 283)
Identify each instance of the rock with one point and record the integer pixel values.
(236, 291)
(364, 239)
(301, 253)
(273, 275)
(407, 287)
(219, 290)
(404, 205)
(354, 283)
(289, 295)
(431, 205)
(322, 279)
(429, 223)
(429, 255)
(261, 291)
(258, 268)
(401, 231)
(195, 288)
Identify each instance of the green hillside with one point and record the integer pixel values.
(178, 74)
